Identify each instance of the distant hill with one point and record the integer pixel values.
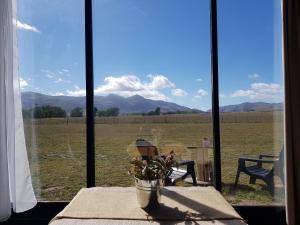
(133, 104)
(252, 106)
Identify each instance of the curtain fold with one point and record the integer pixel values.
(291, 38)
(16, 191)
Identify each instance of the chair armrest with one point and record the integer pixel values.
(186, 162)
(267, 156)
(245, 158)
(193, 147)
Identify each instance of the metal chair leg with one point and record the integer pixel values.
(252, 180)
(271, 185)
(191, 171)
(237, 178)
(193, 174)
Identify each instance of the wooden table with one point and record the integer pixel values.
(139, 222)
(180, 205)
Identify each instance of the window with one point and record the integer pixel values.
(51, 54)
(152, 64)
(152, 81)
(250, 65)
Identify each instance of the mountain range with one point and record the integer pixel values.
(127, 105)
(252, 106)
(133, 104)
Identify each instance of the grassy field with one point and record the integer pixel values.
(56, 149)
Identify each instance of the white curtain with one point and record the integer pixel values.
(16, 192)
(291, 31)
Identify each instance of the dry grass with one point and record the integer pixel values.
(56, 149)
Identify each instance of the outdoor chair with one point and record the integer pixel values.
(257, 171)
(176, 174)
(147, 150)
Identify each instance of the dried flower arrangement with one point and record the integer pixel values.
(150, 165)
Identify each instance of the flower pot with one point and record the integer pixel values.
(148, 192)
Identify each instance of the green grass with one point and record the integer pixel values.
(56, 149)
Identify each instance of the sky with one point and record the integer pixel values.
(159, 49)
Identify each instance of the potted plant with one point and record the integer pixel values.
(149, 170)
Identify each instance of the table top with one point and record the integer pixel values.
(139, 222)
(116, 205)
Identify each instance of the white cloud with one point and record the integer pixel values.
(59, 80)
(76, 93)
(25, 26)
(65, 70)
(23, 83)
(76, 87)
(126, 83)
(129, 85)
(260, 91)
(159, 82)
(253, 76)
(244, 93)
(49, 76)
(266, 88)
(199, 79)
(201, 93)
(179, 92)
(47, 72)
(57, 94)
(222, 96)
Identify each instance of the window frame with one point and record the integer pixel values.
(89, 77)
(90, 121)
(43, 212)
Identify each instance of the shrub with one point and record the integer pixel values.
(76, 112)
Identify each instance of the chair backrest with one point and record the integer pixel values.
(279, 165)
(146, 149)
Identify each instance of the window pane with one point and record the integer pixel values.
(251, 98)
(52, 70)
(152, 63)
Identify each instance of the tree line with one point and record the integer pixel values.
(48, 111)
(158, 112)
(44, 112)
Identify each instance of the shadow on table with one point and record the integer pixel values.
(168, 215)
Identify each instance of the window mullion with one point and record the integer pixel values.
(90, 125)
(215, 94)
